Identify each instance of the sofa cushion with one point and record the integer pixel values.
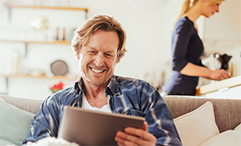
(238, 128)
(227, 115)
(14, 123)
(227, 138)
(30, 105)
(197, 126)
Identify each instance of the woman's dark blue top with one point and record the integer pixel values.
(186, 47)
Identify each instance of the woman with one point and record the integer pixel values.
(187, 49)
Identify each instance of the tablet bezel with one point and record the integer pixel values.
(90, 127)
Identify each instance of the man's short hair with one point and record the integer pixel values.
(83, 34)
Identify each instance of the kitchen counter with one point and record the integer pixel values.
(219, 85)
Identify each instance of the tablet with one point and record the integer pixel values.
(89, 127)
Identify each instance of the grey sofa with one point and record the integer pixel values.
(227, 112)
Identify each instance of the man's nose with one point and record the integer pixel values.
(217, 10)
(99, 59)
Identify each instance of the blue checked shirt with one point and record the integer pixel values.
(127, 96)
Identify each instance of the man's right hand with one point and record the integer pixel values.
(135, 137)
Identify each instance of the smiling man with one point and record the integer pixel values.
(99, 45)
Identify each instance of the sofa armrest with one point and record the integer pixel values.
(29, 105)
(227, 111)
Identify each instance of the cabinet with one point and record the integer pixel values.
(29, 45)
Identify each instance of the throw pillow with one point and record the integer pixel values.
(227, 138)
(6, 143)
(197, 126)
(14, 123)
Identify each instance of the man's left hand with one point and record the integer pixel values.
(135, 137)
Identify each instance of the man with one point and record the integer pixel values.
(99, 45)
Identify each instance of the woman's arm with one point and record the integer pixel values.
(195, 70)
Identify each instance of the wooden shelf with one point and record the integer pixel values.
(41, 76)
(38, 42)
(10, 6)
(47, 7)
(36, 77)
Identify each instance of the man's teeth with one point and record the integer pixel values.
(96, 70)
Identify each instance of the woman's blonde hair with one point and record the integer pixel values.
(187, 4)
(83, 34)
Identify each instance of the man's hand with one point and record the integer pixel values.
(135, 137)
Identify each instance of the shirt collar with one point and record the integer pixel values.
(78, 86)
(112, 87)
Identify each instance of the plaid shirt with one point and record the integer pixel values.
(127, 96)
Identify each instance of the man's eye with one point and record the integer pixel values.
(108, 55)
(92, 52)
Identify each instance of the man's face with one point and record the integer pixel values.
(97, 60)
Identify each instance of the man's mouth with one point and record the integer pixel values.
(97, 70)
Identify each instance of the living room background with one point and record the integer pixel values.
(147, 24)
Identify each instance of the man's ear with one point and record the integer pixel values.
(77, 55)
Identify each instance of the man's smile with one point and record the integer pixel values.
(96, 70)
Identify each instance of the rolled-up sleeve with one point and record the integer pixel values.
(159, 118)
(180, 40)
(46, 121)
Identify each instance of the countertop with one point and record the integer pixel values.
(227, 83)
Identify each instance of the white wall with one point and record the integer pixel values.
(226, 25)
(142, 20)
(222, 33)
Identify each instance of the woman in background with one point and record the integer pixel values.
(187, 49)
